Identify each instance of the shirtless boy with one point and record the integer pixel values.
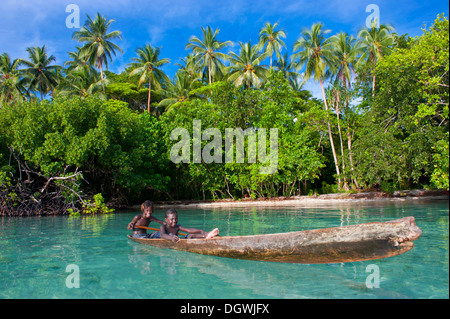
(143, 220)
(170, 229)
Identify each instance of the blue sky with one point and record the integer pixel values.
(170, 23)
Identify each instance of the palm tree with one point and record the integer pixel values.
(287, 68)
(315, 53)
(246, 68)
(188, 65)
(376, 43)
(207, 51)
(345, 56)
(83, 81)
(98, 46)
(146, 66)
(272, 40)
(10, 82)
(39, 74)
(179, 89)
(78, 60)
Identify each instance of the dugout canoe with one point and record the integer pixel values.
(327, 245)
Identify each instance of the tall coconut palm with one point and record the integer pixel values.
(98, 46)
(315, 54)
(345, 56)
(375, 43)
(10, 82)
(207, 51)
(39, 74)
(271, 39)
(147, 67)
(246, 68)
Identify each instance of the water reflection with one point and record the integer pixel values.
(265, 279)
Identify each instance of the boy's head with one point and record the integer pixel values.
(171, 217)
(147, 208)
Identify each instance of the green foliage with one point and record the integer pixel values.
(404, 128)
(97, 205)
(128, 92)
(117, 149)
(440, 176)
(274, 106)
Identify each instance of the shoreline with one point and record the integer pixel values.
(305, 200)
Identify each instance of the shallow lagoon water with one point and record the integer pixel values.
(37, 253)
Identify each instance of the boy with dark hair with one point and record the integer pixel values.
(169, 230)
(144, 220)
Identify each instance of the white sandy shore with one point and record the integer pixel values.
(311, 201)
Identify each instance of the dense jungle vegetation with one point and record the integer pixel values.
(77, 136)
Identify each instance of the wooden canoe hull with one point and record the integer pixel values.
(328, 245)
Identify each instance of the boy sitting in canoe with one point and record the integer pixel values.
(170, 229)
(143, 220)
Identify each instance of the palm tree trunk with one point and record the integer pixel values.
(149, 93)
(100, 66)
(374, 63)
(209, 72)
(209, 75)
(340, 139)
(331, 138)
(101, 72)
(373, 85)
(349, 145)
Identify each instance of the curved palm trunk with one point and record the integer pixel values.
(331, 138)
(346, 187)
(100, 66)
(349, 145)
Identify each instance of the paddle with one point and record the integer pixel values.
(143, 227)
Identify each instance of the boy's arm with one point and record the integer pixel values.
(165, 235)
(133, 222)
(153, 218)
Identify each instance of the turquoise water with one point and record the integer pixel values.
(36, 256)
